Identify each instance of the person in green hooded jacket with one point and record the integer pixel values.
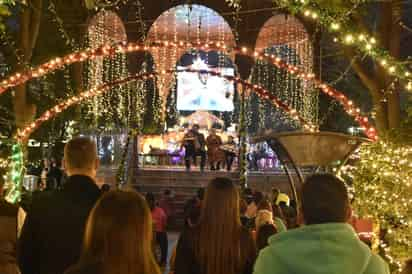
(326, 244)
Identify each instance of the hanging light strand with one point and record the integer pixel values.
(348, 34)
(96, 91)
(111, 50)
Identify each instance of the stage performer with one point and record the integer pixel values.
(214, 154)
(230, 150)
(194, 144)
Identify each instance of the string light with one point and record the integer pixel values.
(15, 175)
(366, 43)
(287, 39)
(260, 91)
(380, 183)
(110, 50)
(107, 28)
(25, 133)
(4, 163)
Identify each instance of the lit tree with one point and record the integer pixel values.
(29, 26)
(372, 42)
(381, 184)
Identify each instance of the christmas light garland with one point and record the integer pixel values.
(106, 27)
(111, 50)
(380, 182)
(17, 160)
(4, 163)
(260, 91)
(349, 35)
(15, 175)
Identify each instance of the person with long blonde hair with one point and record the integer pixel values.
(219, 244)
(118, 237)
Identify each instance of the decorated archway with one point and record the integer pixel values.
(182, 25)
(106, 27)
(285, 36)
(17, 164)
(109, 50)
(224, 102)
(105, 87)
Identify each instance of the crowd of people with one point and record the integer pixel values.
(49, 174)
(84, 230)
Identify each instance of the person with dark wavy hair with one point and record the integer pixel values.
(219, 244)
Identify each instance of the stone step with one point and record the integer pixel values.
(184, 185)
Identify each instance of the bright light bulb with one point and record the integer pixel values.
(335, 26)
(349, 38)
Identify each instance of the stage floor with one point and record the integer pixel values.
(221, 171)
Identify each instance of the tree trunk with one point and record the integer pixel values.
(381, 116)
(77, 75)
(394, 111)
(384, 92)
(370, 82)
(30, 18)
(390, 37)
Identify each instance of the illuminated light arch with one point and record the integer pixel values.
(17, 162)
(185, 23)
(89, 94)
(107, 50)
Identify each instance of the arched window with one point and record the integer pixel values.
(110, 109)
(286, 37)
(185, 23)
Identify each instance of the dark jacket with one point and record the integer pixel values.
(8, 238)
(52, 234)
(85, 268)
(187, 263)
(196, 145)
